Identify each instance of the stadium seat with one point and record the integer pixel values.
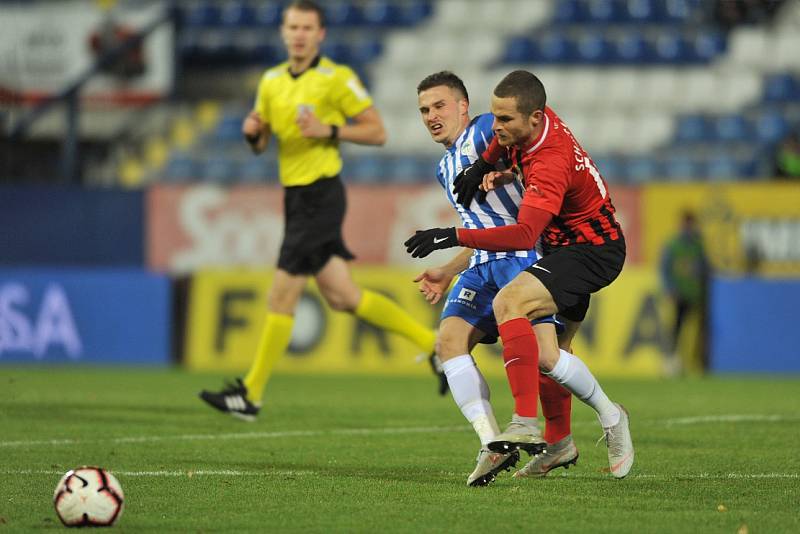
(415, 12)
(672, 47)
(220, 169)
(640, 11)
(771, 126)
(268, 14)
(642, 169)
(382, 13)
(366, 169)
(632, 47)
(343, 13)
(569, 12)
(781, 88)
(180, 168)
(337, 49)
(594, 47)
(722, 166)
(707, 45)
(202, 15)
(692, 129)
(238, 14)
(229, 129)
(610, 167)
(733, 128)
(604, 11)
(682, 167)
(519, 49)
(554, 48)
(366, 49)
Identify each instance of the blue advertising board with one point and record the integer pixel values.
(56, 226)
(754, 325)
(90, 316)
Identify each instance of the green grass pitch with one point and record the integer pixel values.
(369, 454)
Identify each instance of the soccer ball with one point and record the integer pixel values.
(88, 496)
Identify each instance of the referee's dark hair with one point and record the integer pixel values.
(446, 78)
(307, 5)
(526, 88)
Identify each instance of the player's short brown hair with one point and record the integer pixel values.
(446, 78)
(306, 5)
(526, 88)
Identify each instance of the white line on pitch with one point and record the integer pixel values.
(733, 418)
(304, 472)
(245, 435)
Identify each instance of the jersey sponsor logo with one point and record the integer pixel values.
(467, 294)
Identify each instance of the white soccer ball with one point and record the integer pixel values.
(88, 497)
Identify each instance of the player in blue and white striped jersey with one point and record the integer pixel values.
(467, 318)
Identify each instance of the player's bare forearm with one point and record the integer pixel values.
(366, 129)
(458, 263)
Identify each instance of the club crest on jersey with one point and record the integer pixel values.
(466, 148)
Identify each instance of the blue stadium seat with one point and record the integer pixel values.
(238, 14)
(180, 168)
(220, 169)
(632, 47)
(676, 11)
(642, 169)
(337, 49)
(732, 128)
(258, 170)
(382, 13)
(268, 14)
(771, 127)
(594, 47)
(610, 167)
(366, 49)
(343, 13)
(781, 88)
(692, 129)
(406, 169)
(671, 47)
(709, 44)
(229, 129)
(682, 167)
(640, 11)
(555, 48)
(366, 169)
(569, 12)
(604, 11)
(204, 15)
(723, 166)
(519, 49)
(415, 11)
(266, 53)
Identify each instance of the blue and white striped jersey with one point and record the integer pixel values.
(501, 205)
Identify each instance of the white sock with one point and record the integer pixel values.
(471, 393)
(573, 374)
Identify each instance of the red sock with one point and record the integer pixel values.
(556, 408)
(521, 357)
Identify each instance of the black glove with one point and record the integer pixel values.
(424, 242)
(466, 186)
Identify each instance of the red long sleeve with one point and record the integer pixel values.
(493, 152)
(521, 236)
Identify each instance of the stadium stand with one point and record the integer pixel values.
(653, 88)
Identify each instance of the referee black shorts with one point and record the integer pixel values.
(571, 273)
(313, 216)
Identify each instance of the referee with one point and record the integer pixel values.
(306, 102)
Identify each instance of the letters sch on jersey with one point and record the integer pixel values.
(196, 227)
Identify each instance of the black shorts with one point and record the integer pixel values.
(313, 215)
(571, 273)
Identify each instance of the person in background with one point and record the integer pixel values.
(787, 157)
(684, 275)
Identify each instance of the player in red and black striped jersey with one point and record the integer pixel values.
(566, 202)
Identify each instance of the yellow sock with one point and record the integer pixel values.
(385, 313)
(273, 343)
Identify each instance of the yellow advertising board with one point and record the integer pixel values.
(746, 227)
(623, 334)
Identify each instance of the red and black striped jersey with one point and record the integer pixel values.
(560, 178)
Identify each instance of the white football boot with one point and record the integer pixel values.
(516, 436)
(562, 453)
(489, 465)
(620, 445)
